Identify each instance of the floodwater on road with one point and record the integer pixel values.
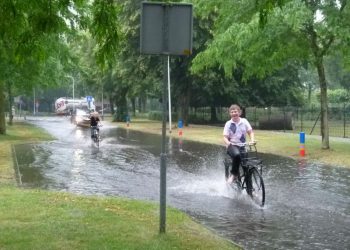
(307, 205)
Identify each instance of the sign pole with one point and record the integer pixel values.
(102, 102)
(169, 96)
(34, 101)
(163, 152)
(166, 29)
(73, 94)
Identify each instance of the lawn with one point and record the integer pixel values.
(40, 219)
(272, 142)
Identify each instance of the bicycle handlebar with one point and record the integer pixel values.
(98, 125)
(243, 144)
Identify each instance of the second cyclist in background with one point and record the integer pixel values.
(235, 131)
(94, 121)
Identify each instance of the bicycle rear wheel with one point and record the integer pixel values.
(256, 187)
(97, 139)
(227, 164)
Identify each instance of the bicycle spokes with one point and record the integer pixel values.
(256, 188)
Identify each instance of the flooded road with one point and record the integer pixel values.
(307, 205)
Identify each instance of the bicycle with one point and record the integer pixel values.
(96, 135)
(250, 173)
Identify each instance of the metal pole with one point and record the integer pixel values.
(34, 102)
(163, 160)
(162, 221)
(102, 102)
(169, 96)
(344, 135)
(73, 92)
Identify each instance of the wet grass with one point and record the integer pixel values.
(35, 219)
(279, 143)
(19, 132)
(39, 219)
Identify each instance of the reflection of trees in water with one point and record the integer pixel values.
(29, 170)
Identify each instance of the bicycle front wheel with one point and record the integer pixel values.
(97, 141)
(256, 187)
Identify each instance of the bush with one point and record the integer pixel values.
(279, 122)
(155, 115)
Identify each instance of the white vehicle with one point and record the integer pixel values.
(81, 118)
(64, 106)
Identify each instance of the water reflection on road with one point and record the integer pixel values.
(307, 205)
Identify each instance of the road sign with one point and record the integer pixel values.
(89, 98)
(173, 20)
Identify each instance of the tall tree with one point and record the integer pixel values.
(300, 30)
(28, 32)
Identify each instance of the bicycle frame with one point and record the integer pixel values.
(250, 158)
(250, 172)
(95, 132)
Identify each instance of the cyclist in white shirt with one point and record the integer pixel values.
(235, 131)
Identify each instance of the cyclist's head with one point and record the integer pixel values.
(235, 112)
(236, 107)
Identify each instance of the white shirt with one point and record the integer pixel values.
(236, 131)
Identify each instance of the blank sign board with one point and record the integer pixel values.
(166, 28)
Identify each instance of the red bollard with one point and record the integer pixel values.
(302, 144)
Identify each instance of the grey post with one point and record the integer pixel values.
(164, 100)
(166, 29)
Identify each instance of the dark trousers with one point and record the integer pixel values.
(235, 153)
(92, 130)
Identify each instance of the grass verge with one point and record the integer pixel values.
(39, 219)
(19, 132)
(279, 143)
(36, 219)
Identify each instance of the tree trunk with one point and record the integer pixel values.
(139, 104)
(10, 103)
(143, 102)
(133, 104)
(319, 52)
(213, 116)
(122, 107)
(111, 104)
(2, 110)
(184, 107)
(186, 121)
(309, 92)
(324, 104)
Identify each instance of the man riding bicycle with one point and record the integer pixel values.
(94, 120)
(235, 131)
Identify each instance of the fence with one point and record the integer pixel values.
(288, 119)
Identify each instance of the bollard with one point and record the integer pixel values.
(180, 125)
(302, 144)
(127, 121)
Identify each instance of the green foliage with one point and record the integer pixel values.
(106, 30)
(292, 33)
(31, 40)
(338, 96)
(261, 51)
(267, 6)
(155, 115)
